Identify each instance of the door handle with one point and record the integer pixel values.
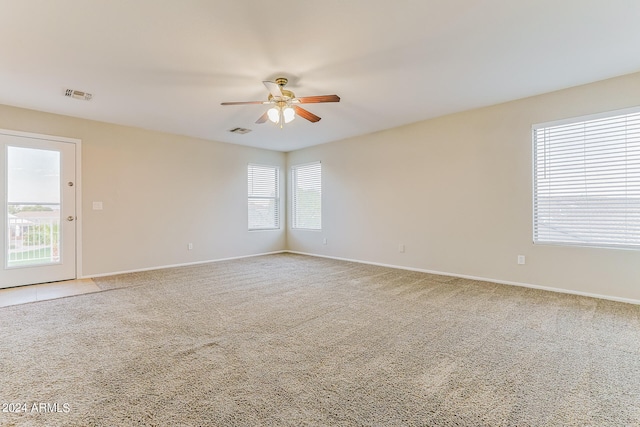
(70, 218)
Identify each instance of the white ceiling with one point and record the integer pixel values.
(168, 64)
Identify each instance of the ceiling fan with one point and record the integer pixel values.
(285, 104)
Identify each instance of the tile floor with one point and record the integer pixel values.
(45, 291)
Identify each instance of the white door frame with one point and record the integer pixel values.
(78, 183)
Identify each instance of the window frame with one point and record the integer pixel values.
(591, 239)
(275, 198)
(294, 196)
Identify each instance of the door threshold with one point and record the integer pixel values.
(46, 291)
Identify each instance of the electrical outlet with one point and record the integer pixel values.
(324, 241)
(190, 246)
(521, 259)
(401, 248)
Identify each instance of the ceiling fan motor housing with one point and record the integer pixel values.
(286, 95)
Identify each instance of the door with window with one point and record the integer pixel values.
(38, 183)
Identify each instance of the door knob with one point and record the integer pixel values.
(70, 218)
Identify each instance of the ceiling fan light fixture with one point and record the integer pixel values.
(274, 114)
(281, 101)
(289, 114)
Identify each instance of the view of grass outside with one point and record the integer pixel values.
(33, 257)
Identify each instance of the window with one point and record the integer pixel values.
(264, 199)
(587, 181)
(306, 203)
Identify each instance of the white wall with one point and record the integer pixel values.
(457, 191)
(159, 192)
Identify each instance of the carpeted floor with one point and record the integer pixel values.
(290, 340)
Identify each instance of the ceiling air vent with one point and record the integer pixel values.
(241, 131)
(78, 94)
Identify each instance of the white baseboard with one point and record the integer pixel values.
(162, 267)
(484, 279)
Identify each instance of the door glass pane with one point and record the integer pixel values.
(33, 204)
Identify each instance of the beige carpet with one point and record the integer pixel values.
(289, 340)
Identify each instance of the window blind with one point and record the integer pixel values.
(306, 203)
(587, 182)
(264, 200)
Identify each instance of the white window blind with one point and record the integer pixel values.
(306, 203)
(587, 182)
(264, 200)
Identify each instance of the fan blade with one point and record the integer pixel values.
(306, 114)
(317, 99)
(263, 118)
(274, 89)
(244, 102)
